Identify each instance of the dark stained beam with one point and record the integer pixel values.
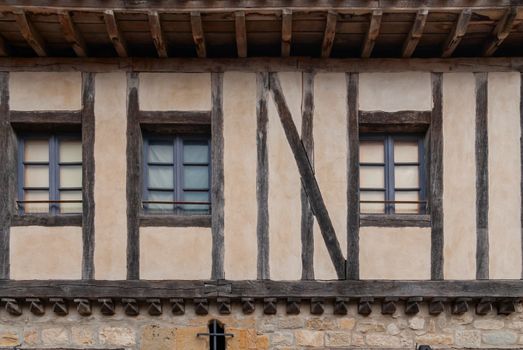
(4, 51)
(329, 34)
(500, 32)
(72, 35)
(155, 26)
(198, 34)
(115, 35)
(308, 179)
(33, 38)
(7, 159)
(458, 32)
(415, 33)
(241, 33)
(372, 33)
(286, 32)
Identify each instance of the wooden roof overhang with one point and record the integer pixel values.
(256, 28)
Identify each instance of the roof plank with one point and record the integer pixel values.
(415, 33)
(115, 35)
(241, 33)
(328, 36)
(155, 26)
(372, 33)
(72, 35)
(33, 38)
(459, 30)
(198, 34)
(286, 32)
(500, 32)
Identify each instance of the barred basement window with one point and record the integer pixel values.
(177, 174)
(216, 335)
(50, 174)
(392, 174)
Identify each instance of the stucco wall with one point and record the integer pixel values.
(46, 253)
(175, 253)
(284, 187)
(175, 91)
(395, 91)
(504, 175)
(240, 159)
(33, 91)
(330, 163)
(110, 219)
(459, 174)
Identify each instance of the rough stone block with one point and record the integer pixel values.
(468, 339)
(122, 336)
(309, 338)
(158, 338)
(337, 339)
(500, 338)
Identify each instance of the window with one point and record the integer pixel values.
(392, 174)
(50, 174)
(177, 175)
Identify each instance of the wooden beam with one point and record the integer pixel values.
(51, 221)
(308, 178)
(500, 32)
(7, 158)
(119, 43)
(175, 117)
(399, 117)
(72, 35)
(329, 34)
(33, 38)
(521, 161)
(373, 220)
(458, 32)
(262, 175)
(198, 34)
(286, 32)
(175, 220)
(372, 33)
(482, 177)
(4, 50)
(155, 27)
(241, 33)
(415, 33)
(46, 117)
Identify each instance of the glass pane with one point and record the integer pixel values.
(161, 177)
(372, 177)
(71, 176)
(36, 207)
(195, 153)
(160, 153)
(36, 151)
(372, 208)
(67, 208)
(70, 151)
(406, 176)
(407, 208)
(372, 152)
(196, 177)
(405, 151)
(36, 176)
(160, 207)
(196, 197)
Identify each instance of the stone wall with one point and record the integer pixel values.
(259, 331)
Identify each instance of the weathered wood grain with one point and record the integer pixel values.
(175, 117)
(458, 32)
(7, 161)
(286, 32)
(175, 221)
(241, 33)
(329, 34)
(353, 178)
(46, 220)
(372, 33)
(115, 35)
(30, 34)
(391, 220)
(198, 34)
(500, 32)
(415, 33)
(155, 26)
(71, 34)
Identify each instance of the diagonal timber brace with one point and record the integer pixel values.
(308, 179)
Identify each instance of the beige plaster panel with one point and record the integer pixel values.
(175, 91)
(110, 219)
(46, 253)
(240, 159)
(459, 174)
(284, 187)
(33, 91)
(401, 253)
(504, 175)
(395, 91)
(330, 163)
(175, 253)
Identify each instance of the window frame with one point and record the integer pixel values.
(177, 140)
(389, 166)
(54, 165)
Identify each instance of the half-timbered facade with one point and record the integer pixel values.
(261, 175)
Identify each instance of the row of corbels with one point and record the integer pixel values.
(154, 306)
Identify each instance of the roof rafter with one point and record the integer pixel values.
(155, 26)
(30, 34)
(458, 32)
(286, 32)
(372, 33)
(330, 33)
(415, 33)
(71, 33)
(115, 35)
(241, 33)
(500, 32)
(198, 34)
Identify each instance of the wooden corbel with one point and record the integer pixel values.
(388, 305)
(59, 306)
(201, 306)
(224, 306)
(270, 306)
(106, 306)
(248, 305)
(293, 306)
(130, 307)
(178, 306)
(437, 306)
(83, 307)
(365, 306)
(317, 307)
(12, 306)
(155, 306)
(412, 305)
(340, 306)
(460, 306)
(36, 306)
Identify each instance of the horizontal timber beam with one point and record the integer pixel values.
(223, 5)
(275, 64)
(92, 289)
